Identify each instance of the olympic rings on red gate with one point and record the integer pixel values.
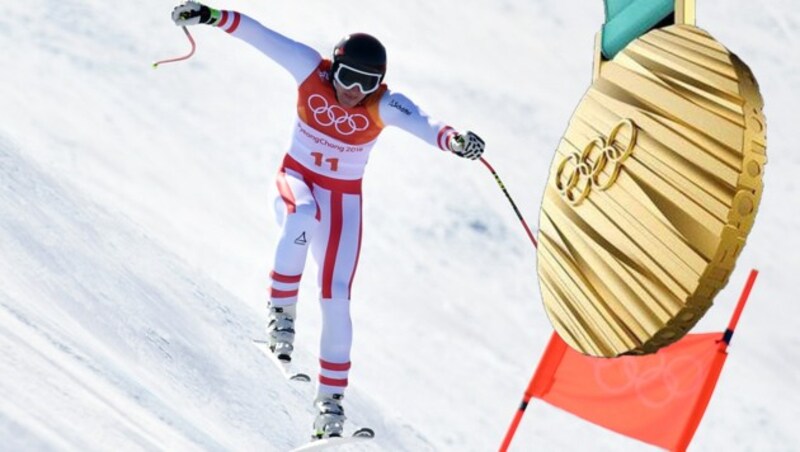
(655, 385)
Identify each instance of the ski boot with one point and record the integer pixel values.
(280, 331)
(329, 422)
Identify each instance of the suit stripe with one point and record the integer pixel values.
(328, 183)
(358, 246)
(286, 192)
(338, 367)
(275, 293)
(236, 19)
(223, 20)
(285, 278)
(444, 137)
(335, 382)
(333, 244)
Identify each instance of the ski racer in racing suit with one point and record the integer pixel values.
(342, 107)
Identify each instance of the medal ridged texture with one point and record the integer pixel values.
(640, 229)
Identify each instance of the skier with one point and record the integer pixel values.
(342, 106)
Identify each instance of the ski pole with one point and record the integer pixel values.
(186, 57)
(508, 196)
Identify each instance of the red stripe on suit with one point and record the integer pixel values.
(337, 367)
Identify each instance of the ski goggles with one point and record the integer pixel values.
(348, 77)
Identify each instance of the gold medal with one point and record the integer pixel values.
(652, 192)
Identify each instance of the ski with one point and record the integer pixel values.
(284, 366)
(362, 434)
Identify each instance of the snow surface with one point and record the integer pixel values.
(136, 232)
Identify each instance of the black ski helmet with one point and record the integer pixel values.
(361, 51)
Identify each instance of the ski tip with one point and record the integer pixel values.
(364, 432)
(361, 434)
(284, 365)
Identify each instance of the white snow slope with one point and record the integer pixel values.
(136, 231)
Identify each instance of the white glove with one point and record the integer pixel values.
(193, 13)
(468, 145)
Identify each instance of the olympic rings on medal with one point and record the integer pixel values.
(586, 172)
(333, 115)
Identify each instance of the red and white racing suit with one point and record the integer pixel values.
(318, 204)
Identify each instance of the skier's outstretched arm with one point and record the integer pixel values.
(398, 110)
(297, 58)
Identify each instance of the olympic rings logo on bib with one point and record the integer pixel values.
(328, 115)
(587, 170)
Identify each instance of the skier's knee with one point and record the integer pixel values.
(301, 225)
